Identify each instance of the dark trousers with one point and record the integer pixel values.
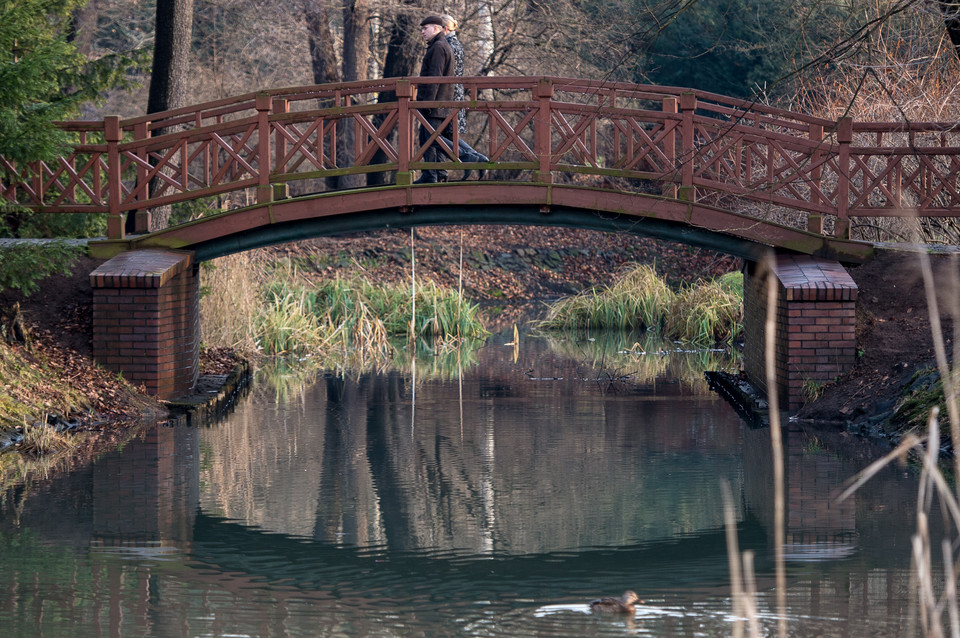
(466, 152)
(433, 153)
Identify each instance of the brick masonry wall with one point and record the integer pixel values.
(146, 319)
(815, 325)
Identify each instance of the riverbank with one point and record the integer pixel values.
(889, 390)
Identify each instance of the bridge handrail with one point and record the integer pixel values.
(696, 144)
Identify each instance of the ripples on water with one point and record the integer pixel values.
(493, 497)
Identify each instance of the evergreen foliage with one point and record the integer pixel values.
(44, 79)
(730, 47)
(24, 264)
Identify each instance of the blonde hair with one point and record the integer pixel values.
(449, 22)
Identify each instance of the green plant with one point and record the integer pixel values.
(812, 390)
(24, 264)
(707, 312)
(703, 313)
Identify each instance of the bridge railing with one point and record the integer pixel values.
(691, 145)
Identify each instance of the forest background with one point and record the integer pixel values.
(809, 55)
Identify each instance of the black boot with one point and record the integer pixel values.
(481, 171)
(426, 177)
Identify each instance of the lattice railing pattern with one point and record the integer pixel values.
(694, 144)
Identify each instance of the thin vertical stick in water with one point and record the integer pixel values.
(413, 290)
(733, 557)
(460, 286)
(413, 333)
(776, 443)
(750, 595)
(950, 589)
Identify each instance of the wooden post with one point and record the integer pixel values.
(541, 131)
(112, 134)
(844, 138)
(404, 132)
(669, 189)
(281, 190)
(815, 220)
(688, 104)
(141, 220)
(263, 151)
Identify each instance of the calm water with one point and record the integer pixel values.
(493, 495)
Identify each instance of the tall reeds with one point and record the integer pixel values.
(705, 312)
(273, 310)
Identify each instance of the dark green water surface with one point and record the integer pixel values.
(493, 495)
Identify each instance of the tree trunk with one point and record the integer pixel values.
(951, 18)
(323, 57)
(168, 82)
(403, 53)
(356, 43)
(171, 55)
(83, 26)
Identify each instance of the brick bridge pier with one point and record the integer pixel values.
(146, 321)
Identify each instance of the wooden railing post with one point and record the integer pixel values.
(688, 104)
(844, 138)
(404, 133)
(280, 190)
(669, 189)
(541, 132)
(112, 135)
(141, 220)
(815, 220)
(263, 150)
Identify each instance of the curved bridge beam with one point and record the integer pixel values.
(340, 212)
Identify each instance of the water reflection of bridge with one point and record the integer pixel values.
(380, 516)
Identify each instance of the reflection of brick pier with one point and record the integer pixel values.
(147, 495)
(817, 527)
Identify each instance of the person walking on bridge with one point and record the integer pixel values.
(437, 62)
(465, 151)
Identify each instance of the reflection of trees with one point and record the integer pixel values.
(498, 463)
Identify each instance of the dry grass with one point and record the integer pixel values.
(702, 313)
(271, 309)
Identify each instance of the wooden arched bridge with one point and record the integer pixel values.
(695, 167)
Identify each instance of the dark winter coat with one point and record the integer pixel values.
(437, 62)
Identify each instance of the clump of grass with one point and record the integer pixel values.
(230, 301)
(340, 320)
(39, 439)
(702, 313)
(707, 311)
(638, 301)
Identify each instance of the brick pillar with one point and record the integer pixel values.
(816, 324)
(146, 319)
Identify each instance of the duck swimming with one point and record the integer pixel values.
(622, 605)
